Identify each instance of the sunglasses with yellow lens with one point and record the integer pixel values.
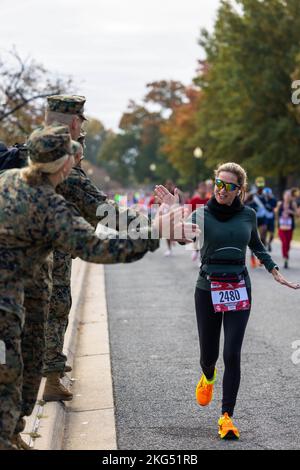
(227, 186)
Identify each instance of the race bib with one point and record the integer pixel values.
(228, 296)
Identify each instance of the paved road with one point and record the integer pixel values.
(155, 359)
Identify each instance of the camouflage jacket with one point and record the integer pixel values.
(36, 220)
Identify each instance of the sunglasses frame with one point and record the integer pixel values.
(224, 185)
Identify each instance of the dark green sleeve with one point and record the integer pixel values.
(258, 248)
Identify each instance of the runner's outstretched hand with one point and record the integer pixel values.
(279, 278)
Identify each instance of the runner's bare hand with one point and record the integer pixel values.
(279, 278)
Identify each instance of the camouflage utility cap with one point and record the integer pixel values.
(49, 143)
(68, 104)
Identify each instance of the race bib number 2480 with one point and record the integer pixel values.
(228, 296)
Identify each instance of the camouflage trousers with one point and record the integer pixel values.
(60, 306)
(24, 344)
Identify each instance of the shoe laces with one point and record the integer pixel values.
(206, 387)
(226, 422)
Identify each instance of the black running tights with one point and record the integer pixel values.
(209, 329)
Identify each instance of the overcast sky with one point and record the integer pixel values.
(112, 48)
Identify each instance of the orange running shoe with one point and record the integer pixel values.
(227, 430)
(204, 389)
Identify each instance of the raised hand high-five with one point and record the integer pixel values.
(165, 197)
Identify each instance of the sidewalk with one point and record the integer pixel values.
(87, 422)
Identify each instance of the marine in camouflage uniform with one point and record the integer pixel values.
(60, 107)
(80, 191)
(34, 220)
(37, 292)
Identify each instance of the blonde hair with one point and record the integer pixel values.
(34, 173)
(239, 172)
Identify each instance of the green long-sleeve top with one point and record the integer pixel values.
(228, 240)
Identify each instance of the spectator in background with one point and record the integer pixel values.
(209, 188)
(152, 206)
(287, 210)
(261, 209)
(270, 203)
(250, 202)
(200, 196)
(295, 194)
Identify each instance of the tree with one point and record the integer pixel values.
(143, 127)
(134, 154)
(117, 155)
(245, 113)
(24, 85)
(178, 139)
(166, 94)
